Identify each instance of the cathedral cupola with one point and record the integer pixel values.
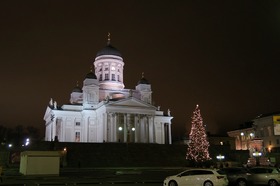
(77, 88)
(76, 95)
(109, 49)
(108, 66)
(144, 91)
(91, 75)
(143, 80)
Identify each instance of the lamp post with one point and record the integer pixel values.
(64, 156)
(220, 158)
(257, 155)
(120, 131)
(241, 139)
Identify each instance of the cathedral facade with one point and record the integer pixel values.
(102, 110)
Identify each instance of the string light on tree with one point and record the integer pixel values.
(198, 146)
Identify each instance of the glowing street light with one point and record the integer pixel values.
(257, 155)
(241, 139)
(27, 142)
(220, 157)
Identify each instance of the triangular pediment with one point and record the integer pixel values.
(132, 103)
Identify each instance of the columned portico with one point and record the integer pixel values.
(134, 128)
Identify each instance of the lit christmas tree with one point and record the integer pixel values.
(198, 147)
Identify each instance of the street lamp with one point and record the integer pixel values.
(251, 135)
(220, 158)
(241, 139)
(257, 155)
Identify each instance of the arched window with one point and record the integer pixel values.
(113, 77)
(106, 76)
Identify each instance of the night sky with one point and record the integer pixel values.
(222, 55)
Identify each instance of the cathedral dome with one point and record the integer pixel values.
(143, 80)
(91, 75)
(77, 89)
(109, 50)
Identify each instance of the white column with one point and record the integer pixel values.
(142, 127)
(136, 125)
(162, 133)
(110, 78)
(125, 128)
(103, 72)
(114, 128)
(150, 129)
(105, 132)
(169, 133)
(108, 129)
(62, 128)
(84, 124)
(147, 129)
(111, 127)
(53, 129)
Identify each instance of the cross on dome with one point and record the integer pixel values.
(109, 38)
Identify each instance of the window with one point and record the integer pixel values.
(100, 77)
(78, 123)
(277, 141)
(77, 137)
(113, 77)
(106, 76)
(118, 77)
(196, 172)
(113, 68)
(106, 69)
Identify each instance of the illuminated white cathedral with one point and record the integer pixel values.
(104, 111)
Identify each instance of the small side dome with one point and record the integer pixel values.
(77, 88)
(91, 75)
(143, 80)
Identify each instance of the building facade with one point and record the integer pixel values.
(102, 110)
(262, 138)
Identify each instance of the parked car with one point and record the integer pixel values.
(198, 177)
(264, 175)
(236, 175)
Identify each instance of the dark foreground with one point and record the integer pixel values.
(94, 176)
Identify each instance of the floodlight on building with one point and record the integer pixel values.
(120, 128)
(133, 129)
(10, 145)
